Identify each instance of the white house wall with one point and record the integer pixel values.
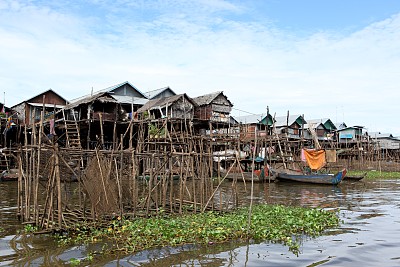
(388, 143)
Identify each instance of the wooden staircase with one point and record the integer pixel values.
(4, 162)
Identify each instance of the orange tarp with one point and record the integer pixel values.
(315, 158)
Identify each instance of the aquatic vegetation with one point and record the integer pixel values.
(30, 228)
(274, 223)
(375, 174)
(77, 262)
(74, 262)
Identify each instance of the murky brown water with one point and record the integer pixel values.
(368, 236)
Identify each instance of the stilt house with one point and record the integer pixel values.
(324, 129)
(97, 120)
(172, 107)
(214, 107)
(291, 125)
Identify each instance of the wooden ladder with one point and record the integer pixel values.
(72, 132)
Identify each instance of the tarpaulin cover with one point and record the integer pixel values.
(330, 156)
(315, 158)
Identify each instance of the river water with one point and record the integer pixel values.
(369, 234)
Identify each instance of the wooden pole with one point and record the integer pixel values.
(252, 183)
(101, 130)
(58, 178)
(115, 136)
(102, 176)
(20, 187)
(121, 167)
(133, 179)
(36, 180)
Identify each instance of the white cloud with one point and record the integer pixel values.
(255, 64)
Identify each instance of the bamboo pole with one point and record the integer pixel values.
(115, 136)
(102, 176)
(20, 186)
(36, 180)
(101, 130)
(252, 183)
(58, 178)
(133, 180)
(49, 195)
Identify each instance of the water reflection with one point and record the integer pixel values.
(369, 234)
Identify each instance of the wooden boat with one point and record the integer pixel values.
(9, 175)
(317, 178)
(258, 176)
(160, 177)
(355, 177)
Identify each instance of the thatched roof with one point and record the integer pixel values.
(164, 102)
(101, 96)
(208, 98)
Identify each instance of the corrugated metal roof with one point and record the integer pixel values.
(340, 125)
(106, 90)
(153, 93)
(250, 119)
(46, 105)
(314, 125)
(360, 128)
(50, 90)
(323, 121)
(123, 99)
(315, 121)
(282, 120)
(109, 89)
(380, 135)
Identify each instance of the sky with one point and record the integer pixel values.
(334, 59)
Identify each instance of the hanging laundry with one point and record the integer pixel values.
(52, 130)
(302, 156)
(315, 158)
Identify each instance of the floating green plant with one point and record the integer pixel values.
(374, 174)
(275, 223)
(30, 228)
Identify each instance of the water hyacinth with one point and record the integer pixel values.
(375, 174)
(274, 223)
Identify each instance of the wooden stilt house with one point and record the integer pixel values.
(97, 120)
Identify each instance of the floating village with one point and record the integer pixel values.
(136, 154)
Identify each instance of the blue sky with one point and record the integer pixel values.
(324, 59)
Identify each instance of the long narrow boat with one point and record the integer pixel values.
(294, 176)
(355, 177)
(258, 176)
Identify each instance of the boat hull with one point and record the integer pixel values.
(355, 178)
(258, 176)
(311, 178)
